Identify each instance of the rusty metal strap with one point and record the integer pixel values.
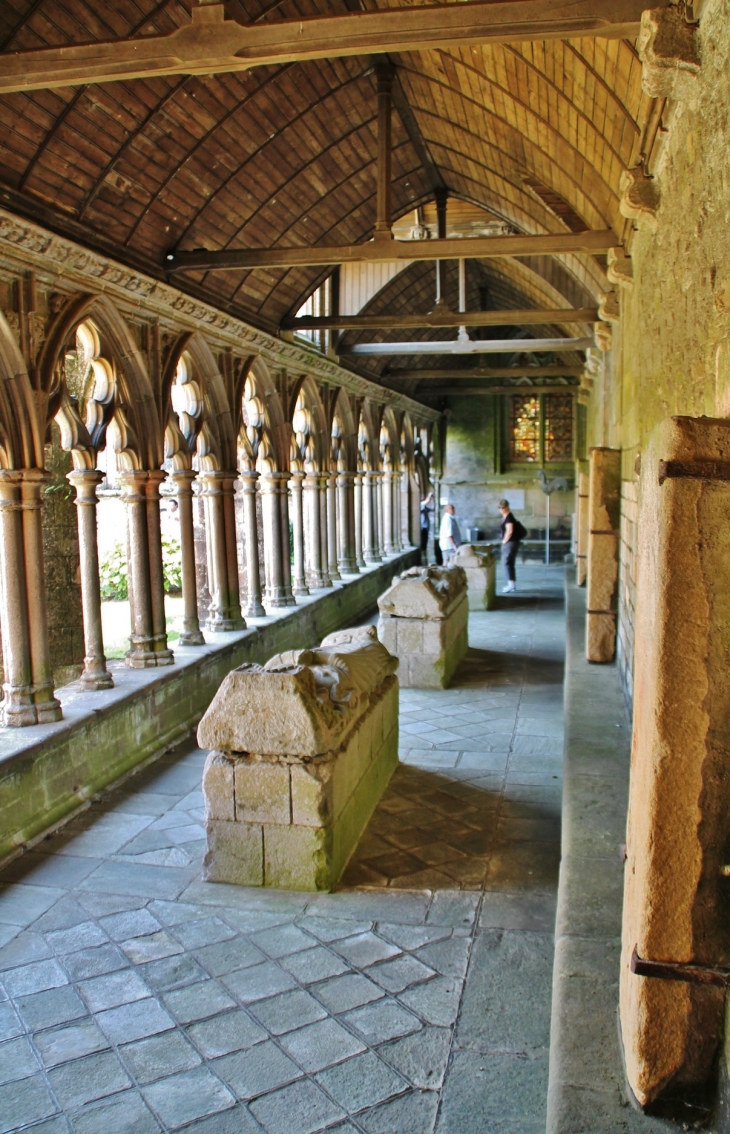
(689, 972)
(694, 470)
(613, 612)
(605, 531)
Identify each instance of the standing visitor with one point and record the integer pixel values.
(449, 534)
(512, 533)
(426, 510)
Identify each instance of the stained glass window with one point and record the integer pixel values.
(558, 427)
(525, 428)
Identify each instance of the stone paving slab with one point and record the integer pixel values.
(136, 998)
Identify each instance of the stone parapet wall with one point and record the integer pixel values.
(310, 743)
(423, 622)
(49, 772)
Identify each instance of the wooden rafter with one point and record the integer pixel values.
(444, 318)
(484, 391)
(388, 251)
(212, 44)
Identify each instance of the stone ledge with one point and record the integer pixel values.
(48, 772)
(586, 1088)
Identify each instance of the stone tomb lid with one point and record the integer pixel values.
(469, 556)
(301, 702)
(424, 592)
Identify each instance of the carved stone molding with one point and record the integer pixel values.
(608, 307)
(620, 269)
(640, 196)
(63, 266)
(669, 53)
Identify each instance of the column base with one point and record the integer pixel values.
(348, 567)
(20, 709)
(300, 591)
(254, 609)
(191, 638)
(93, 681)
(361, 563)
(224, 625)
(373, 559)
(148, 659)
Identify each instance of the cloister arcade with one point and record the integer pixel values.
(314, 496)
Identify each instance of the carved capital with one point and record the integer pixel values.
(669, 53)
(640, 197)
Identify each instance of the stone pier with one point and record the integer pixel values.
(581, 523)
(302, 750)
(675, 879)
(604, 509)
(423, 621)
(480, 567)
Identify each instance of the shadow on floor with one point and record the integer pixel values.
(431, 831)
(495, 667)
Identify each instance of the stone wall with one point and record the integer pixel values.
(671, 352)
(476, 476)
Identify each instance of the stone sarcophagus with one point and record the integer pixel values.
(302, 749)
(423, 621)
(480, 567)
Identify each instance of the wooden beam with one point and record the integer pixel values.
(389, 251)
(488, 372)
(482, 391)
(384, 194)
(213, 45)
(463, 345)
(444, 319)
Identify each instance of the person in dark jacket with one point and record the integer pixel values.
(510, 529)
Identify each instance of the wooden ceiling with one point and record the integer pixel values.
(537, 133)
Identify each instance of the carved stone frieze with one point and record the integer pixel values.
(669, 52)
(29, 245)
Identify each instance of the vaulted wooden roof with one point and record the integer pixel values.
(538, 133)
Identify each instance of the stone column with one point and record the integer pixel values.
(141, 652)
(18, 707)
(95, 674)
(332, 525)
(346, 558)
(369, 519)
(215, 546)
(31, 487)
(358, 497)
(676, 879)
(324, 539)
(299, 582)
(386, 496)
(604, 507)
(398, 510)
(163, 655)
(283, 479)
(378, 513)
(191, 634)
(228, 488)
(581, 522)
(254, 608)
(275, 592)
(28, 688)
(313, 543)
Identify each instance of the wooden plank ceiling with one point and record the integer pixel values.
(536, 133)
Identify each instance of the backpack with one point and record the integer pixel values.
(519, 531)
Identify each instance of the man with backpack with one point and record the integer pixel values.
(513, 532)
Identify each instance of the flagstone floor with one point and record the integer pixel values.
(135, 998)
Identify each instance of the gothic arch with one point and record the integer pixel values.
(21, 442)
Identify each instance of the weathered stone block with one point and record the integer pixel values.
(429, 609)
(581, 555)
(604, 513)
(262, 792)
(235, 853)
(675, 885)
(480, 567)
(218, 789)
(309, 809)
